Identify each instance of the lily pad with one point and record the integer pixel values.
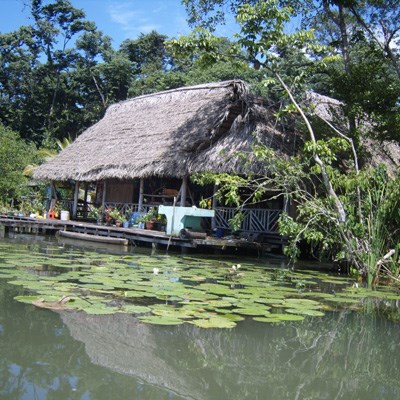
(312, 313)
(267, 319)
(214, 322)
(160, 320)
(251, 310)
(135, 309)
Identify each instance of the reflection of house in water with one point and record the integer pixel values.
(119, 342)
(311, 359)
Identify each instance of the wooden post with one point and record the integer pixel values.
(85, 203)
(53, 196)
(141, 192)
(184, 190)
(214, 206)
(51, 191)
(76, 197)
(103, 197)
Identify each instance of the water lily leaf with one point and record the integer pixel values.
(231, 317)
(180, 313)
(267, 319)
(251, 310)
(160, 320)
(135, 309)
(343, 300)
(321, 295)
(302, 302)
(270, 301)
(219, 303)
(30, 299)
(301, 311)
(214, 322)
(5, 275)
(393, 297)
(21, 282)
(215, 289)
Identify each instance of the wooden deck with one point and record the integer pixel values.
(134, 236)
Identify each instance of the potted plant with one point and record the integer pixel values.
(96, 213)
(161, 222)
(116, 217)
(107, 215)
(141, 222)
(150, 218)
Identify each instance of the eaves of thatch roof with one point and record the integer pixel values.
(170, 134)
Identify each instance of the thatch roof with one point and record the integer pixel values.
(170, 134)
(191, 129)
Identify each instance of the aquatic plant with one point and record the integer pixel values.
(176, 290)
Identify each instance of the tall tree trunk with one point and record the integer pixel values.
(325, 177)
(339, 20)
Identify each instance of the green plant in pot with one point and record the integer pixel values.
(125, 222)
(161, 222)
(150, 218)
(96, 213)
(117, 217)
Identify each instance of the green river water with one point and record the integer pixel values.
(344, 345)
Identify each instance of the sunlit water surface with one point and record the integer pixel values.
(72, 355)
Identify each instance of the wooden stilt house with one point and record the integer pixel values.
(144, 150)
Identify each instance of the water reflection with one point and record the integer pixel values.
(39, 359)
(342, 356)
(72, 355)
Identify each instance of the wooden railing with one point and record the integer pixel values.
(256, 220)
(125, 208)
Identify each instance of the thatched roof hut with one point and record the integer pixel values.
(191, 129)
(170, 134)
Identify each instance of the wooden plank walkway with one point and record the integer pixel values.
(133, 235)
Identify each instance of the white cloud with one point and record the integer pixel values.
(122, 13)
(134, 17)
(131, 21)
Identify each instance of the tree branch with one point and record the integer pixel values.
(327, 183)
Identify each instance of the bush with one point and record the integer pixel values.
(15, 154)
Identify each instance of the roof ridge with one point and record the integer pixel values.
(210, 85)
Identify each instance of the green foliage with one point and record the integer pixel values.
(95, 213)
(147, 52)
(344, 49)
(59, 74)
(369, 232)
(14, 155)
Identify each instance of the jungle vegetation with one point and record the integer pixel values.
(59, 74)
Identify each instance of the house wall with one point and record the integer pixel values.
(121, 192)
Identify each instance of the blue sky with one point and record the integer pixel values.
(120, 19)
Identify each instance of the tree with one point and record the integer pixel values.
(147, 52)
(36, 100)
(58, 75)
(380, 21)
(342, 41)
(152, 64)
(364, 34)
(15, 154)
(337, 212)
